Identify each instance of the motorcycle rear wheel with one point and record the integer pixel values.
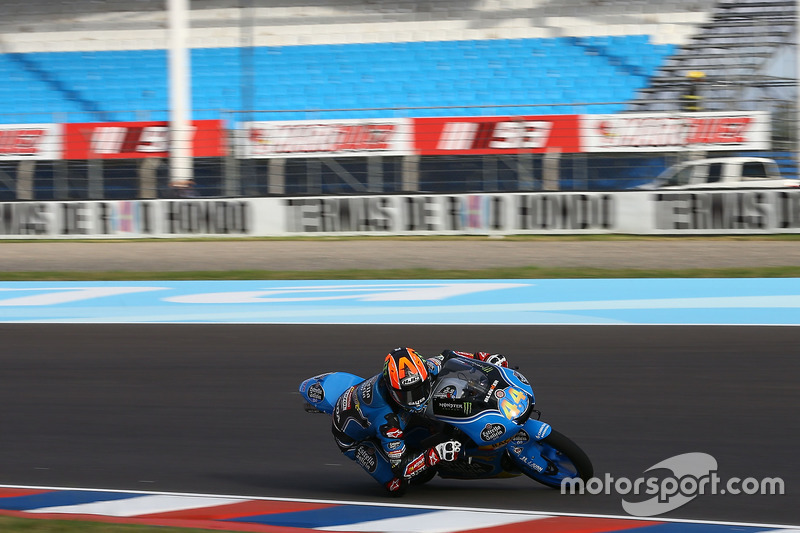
(565, 460)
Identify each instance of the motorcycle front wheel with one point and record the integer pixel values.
(565, 460)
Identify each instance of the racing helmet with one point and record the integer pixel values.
(407, 379)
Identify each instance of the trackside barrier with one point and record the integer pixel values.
(444, 154)
(639, 212)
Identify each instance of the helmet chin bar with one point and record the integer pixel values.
(415, 409)
(413, 400)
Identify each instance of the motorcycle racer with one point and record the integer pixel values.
(369, 419)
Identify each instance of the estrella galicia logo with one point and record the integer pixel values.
(365, 456)
(521, 437)
(492, 432)
(316, 393)
(366, 390)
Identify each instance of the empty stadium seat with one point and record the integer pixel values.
(430, 75)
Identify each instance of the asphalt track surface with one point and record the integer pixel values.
(214, 409)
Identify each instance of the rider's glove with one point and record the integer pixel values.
(493, 358)
(446, 451)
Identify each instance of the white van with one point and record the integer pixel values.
(722, 173)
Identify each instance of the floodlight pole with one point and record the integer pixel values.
(180, 95)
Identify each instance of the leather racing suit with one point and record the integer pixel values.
(369, 428)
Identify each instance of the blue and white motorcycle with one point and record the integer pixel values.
(489, 409)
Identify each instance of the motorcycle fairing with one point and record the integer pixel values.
(486, 401)
(525, 450)
(322, 391)
(481, 464)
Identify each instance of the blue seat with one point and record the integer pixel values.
(386, 75)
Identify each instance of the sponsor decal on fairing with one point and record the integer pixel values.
(528, 461)
(316, 393)
(521, 437)
(542, 431)
(448, 391)
(492, 432)
(452, 408)
(491, 390)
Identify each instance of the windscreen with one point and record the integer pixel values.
(467, 379)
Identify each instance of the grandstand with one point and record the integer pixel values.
(742, 51)
(74, 62)
(532, 76)
(81, 61)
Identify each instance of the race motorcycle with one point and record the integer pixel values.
(490, 410)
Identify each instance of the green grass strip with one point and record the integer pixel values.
(31, 525)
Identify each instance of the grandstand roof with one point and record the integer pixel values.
(77, 25)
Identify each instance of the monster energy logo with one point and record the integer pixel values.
(483, 367)
(453, 408)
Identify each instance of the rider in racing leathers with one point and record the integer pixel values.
(369, 418)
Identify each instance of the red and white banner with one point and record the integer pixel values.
(634, 132)
(135, 140)
(319, 138)
(666, 132)
(30, 141)
(496, 135)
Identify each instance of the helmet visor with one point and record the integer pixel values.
(413, 398)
